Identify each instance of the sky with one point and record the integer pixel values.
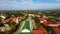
(29, 4)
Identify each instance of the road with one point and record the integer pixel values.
(17, 31)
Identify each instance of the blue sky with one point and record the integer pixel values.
(29, 4)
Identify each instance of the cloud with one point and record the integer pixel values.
(58, 0)
(26, 5)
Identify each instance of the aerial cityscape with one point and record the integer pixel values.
(29, 16)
